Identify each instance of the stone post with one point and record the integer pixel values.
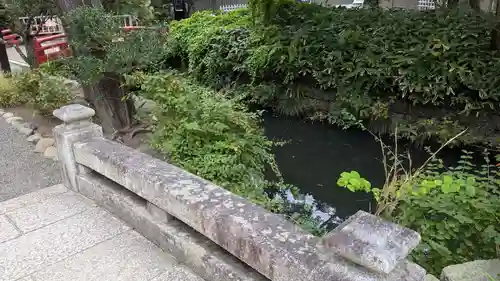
(375, 244)
(77, 127)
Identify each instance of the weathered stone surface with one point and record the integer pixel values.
(371, 242)
(77, 127)
(144, 105)
(267, 242)
(126, 257)
(430, 277)
(158, 213)
(2, 112)
(7, 229)
(32, 198)
(24, 128)
(48, 211)
(30, 125)
(8, 115)
(34, 138)
(35, 250)
(73, 113)
(43, 143)
(472, 271)
(50, 152)
(189, 247)
(25, 131)
(13, 119)
(27, 278)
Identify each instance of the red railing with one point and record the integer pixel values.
(10, 38)
(50, 48)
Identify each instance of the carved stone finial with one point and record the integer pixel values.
(74, 113)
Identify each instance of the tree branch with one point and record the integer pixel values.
(21, 54)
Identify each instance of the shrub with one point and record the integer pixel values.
(217, 138)
(43, 92)
(342, 65)
(459, 216)
(209, 135)
(456, 210)
(27, 84)
(52, 94)
(9, 95)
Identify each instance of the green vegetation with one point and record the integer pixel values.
(34, 88)
(455, 209)
(217, 138)
(417, 75)
(432, 73)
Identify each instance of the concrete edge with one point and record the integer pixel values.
(44, 146)
(21, 64)
(206, 258)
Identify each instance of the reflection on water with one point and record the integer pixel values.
(320, 210)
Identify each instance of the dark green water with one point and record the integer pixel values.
(316, 154)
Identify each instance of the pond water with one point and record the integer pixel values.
(317, 153)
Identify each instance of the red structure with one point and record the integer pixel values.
(10, 38)
(51, 43)
(51, 47)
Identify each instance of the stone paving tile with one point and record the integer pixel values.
(126, 257)
(38, 249)
(48, 211)
(27, 278)
(31, 198)
(7, 230)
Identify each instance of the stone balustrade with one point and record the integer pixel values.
(220, 235)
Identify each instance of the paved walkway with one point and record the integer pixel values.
(57, 235)
(21, 169)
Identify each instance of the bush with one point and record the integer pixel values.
(207, 134)
(456, 210)
(217, 138)
(9, 95)
(52, 94)
(43, 92)
(459, 217)
(341, 65)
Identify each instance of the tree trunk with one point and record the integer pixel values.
(30, 51)
(107, 95)
(4, 59)
(114, 111)
(474, 4)
(495, 33)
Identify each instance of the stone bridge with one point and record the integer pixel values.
(123, 215)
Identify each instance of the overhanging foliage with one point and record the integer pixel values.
(432, 72)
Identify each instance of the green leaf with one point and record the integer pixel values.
(355, 175)
(342, 182)
(447, 180)
(355, 182)
(471, 190)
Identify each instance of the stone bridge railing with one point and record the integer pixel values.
(219, 235)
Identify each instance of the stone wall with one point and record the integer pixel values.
(221, 236)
